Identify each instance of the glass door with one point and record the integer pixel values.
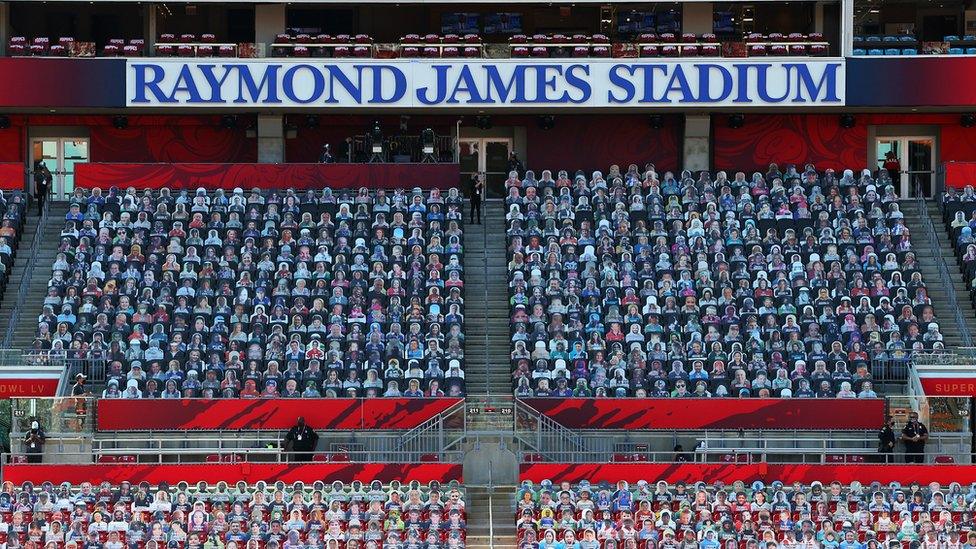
(921, 165)
(496, 153)
(470, 160)
(910, 161)
(489, 156)
(60, 155)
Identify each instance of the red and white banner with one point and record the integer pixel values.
(947, 381)
(29, 381)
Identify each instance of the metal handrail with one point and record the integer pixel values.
(484, 253)
(491, 510)
(933, 243)
(25, 281)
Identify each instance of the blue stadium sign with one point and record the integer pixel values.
(483, 84)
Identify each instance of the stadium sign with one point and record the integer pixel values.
(437, 83)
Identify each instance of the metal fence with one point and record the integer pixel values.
(931, 242)
(25, 280)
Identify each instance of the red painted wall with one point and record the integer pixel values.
(190, 138)
(598, 141)
(818, 138)
(578, 141)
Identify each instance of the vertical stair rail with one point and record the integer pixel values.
(431, 436)
(932, 243)
(549, 437)
(25, 281)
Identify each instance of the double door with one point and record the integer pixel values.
(489, 157)
(916, 162)
(59, 155)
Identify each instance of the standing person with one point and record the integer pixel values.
(892, 165)
(514, 164)
(300, 441)
(914, 435)
(34, 442)
(42, 184)
(79, 389)
(886, 441)
(477, 194)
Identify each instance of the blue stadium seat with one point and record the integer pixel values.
(860, 51)
(956, 51)
(909, 51)
(875, 51)
(951, 38)
(892, 51)
(970, 51)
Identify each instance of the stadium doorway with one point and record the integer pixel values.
(60, 155)
(916, 161)
(488, 155)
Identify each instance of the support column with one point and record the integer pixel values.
(818, 17)
(269, 20)
(271, 138)
(149, 30)
(696, 17)
(4, 27)
(847, 27)
(698, 142)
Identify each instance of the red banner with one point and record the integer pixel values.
(696, 413)
(28, 387)
(343, 414)
(960, 174)
(728, 473)
(12, 176)
(267, 176)
(233, 472)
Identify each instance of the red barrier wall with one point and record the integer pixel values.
(12, 176)
(819, 138)
(692, 413)
(728, 473)
(268, 414)
(282, 176)
(233, 472)
(960, 174)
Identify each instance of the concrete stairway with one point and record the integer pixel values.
(927, 258)
(21, 255)
(501, 504)
(486, 346)
(31, 307)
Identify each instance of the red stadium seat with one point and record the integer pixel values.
(649, 51)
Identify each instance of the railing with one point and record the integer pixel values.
(932, 243)
(25, 282)
(546, 436)
(436, 436)
(890, 366)
(491, 508)
(264, 447)
(484, 255)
